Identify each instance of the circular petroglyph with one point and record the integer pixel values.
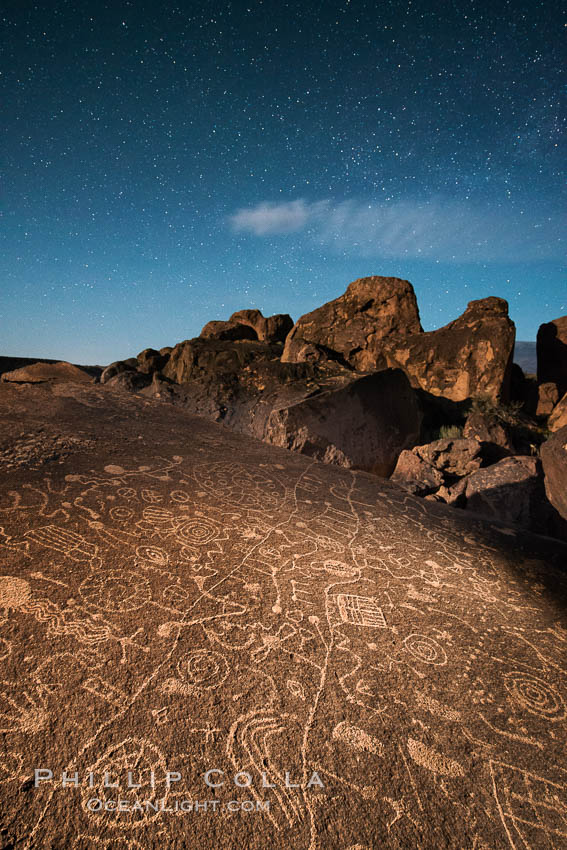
(127, 492)
(143, 759)
(197, 531)
(14, 592)
(240, 485)
(158, 516)
(112, 469)
(121, 513)
(203, 668)
(425, 649)
(115, 591)
(153, 554)
(535, 695)
(180, 496)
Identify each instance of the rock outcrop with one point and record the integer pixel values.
(271, 329)
(554, 457)
(150, 361)
(558, 417)
(552, 354)
(355, 324)
(471, 356)
(548, 396)
(117, 368)
(38, 373)
(509, 491)
(228, 331)
(364, 425)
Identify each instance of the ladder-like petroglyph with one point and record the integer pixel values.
(365, 669)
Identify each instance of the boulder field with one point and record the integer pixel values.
(211, 642)
(358, 383)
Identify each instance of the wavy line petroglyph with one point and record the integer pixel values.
(224, 610)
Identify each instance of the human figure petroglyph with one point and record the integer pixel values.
(304, 602)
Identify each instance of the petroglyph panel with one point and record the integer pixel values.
(214, 603)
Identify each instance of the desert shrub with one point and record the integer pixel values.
(450, 432)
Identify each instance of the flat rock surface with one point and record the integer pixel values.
(177, 597)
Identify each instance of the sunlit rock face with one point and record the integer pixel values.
(354, 325)
(471, 356)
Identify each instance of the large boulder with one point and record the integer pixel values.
(38, 373)
(453, 457)
(554, 458)
(548, 396)
(207, 359)
(150, 361)
(130, 380)
(117, 368)
(552, 354)
(510, 491)
(354, 325)
(558, 417)
(471, 356)
(485, 427)
(416, 475)
(364, 425)
(230, 330)
(271, 329)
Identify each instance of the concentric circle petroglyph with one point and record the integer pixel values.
(152, 553)
(197, 531)
(115, 591)
(534, 695)
(203, 668)
(425, 649)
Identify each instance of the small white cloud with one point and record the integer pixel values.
(270, 218)
(439, 229)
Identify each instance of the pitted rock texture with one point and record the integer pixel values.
(471, 356)
(190, 600)
(355, 324)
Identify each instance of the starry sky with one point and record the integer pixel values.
(167, 163)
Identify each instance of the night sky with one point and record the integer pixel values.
(166, 164)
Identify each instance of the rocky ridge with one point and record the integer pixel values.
(358, 383)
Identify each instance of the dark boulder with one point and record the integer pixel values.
(131, 381)
(552, 354)
(117, 367)
(554, 458)
(453, 457)
(512, 491)
(271, 329)
(416, 475)
(150, 360)
(363, 425)
(230, 330)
